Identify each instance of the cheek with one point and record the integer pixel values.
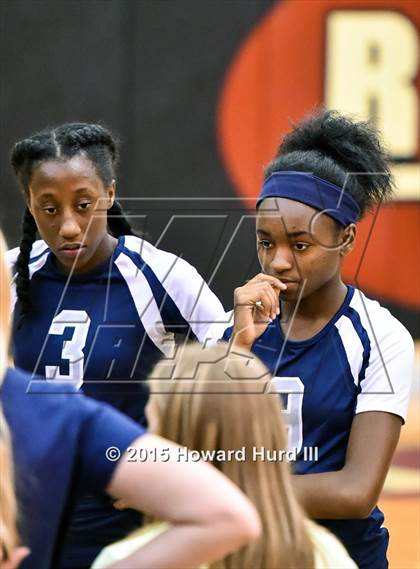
(324, 266)
(46, 227)
(95, 225)
(264, 259)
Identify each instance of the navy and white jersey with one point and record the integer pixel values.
(59, 443)
(103, 331)
(362, 360)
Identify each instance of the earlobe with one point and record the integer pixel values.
(349, 240)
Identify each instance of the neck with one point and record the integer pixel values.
(104, 251)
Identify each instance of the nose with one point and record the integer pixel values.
(69, 227)
(282, 260)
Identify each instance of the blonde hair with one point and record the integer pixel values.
(209, 400)
(4, 308)
(8, 506)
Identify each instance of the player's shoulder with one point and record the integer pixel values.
(21, 382)
(16, 380)
(39, 248)
(160, 261)
(34, 400)
(144, 248)
(378, 321)
(52, 397)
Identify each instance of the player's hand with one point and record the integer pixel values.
(256, 304)
(16, 558)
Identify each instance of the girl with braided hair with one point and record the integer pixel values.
(95, 305)
(342, 363)
(60, 442)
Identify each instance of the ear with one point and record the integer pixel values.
(349, 240)
(111, 194)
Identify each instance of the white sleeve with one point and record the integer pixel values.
(387, 382)
(11, 257)
(198, 305)
(38, 247)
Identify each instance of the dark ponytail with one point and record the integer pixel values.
(339, 150)
(62, 143)
(117, 222)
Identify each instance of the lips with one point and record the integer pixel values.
(287, 281)
(72, 251)
(72, 247)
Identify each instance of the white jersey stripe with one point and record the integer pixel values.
(146, 306)
(387, 382)
(352, 345)
(200, 305)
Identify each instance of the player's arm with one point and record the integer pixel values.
(353, 491)
(209, 516)
(381, 408)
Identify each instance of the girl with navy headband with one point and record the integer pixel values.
(342, 363)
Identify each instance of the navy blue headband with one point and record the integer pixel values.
(311, 190)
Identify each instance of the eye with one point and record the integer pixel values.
(84, 205)
(300, 246)
(264, 243)
(50, 210)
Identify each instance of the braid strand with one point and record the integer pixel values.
(29, 230)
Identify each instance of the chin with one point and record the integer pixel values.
(289, 296)
(78, 266)
(294, 294)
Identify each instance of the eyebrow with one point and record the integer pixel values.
(53, 195)
(289, 234)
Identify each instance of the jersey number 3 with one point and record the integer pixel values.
(72, 349)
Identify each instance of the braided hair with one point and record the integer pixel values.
(62, 143)
(333, 147)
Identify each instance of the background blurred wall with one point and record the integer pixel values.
(199, 93)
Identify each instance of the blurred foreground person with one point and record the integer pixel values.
(10, 553)
(217, 404)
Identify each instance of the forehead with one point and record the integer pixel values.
(282, 215)
(57, 173)
(285, 213)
